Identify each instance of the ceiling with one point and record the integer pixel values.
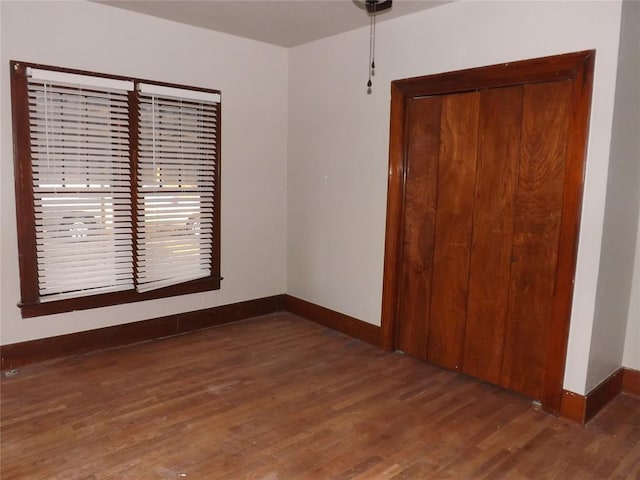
(280, 22)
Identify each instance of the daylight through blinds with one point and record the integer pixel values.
(176, 167)
(123, 177)
(81, 184)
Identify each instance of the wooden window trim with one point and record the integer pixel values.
(30, 304)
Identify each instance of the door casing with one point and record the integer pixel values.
(577, 67)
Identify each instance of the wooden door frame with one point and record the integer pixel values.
(577, 67)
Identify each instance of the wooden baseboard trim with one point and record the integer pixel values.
(582, 408)
(24, 353)
(573, 406)
(631, 382)
(334, 320)
(17, 355)
(600, 396)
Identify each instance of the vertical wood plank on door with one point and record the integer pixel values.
(538, 207)
(490, 268)
(454, 215)
(423, 120)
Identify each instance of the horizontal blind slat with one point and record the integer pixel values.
(86, 292)
(146, 286)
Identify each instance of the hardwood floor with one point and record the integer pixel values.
(277, 398)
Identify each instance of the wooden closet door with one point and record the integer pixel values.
(454, 215)
(483, 205)
(490, 268)
(423, 148)
(536, 232)
(486, 169)
(437, 227)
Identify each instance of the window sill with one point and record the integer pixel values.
(38, 309)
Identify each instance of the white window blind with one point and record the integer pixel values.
(175, 180)
(81, 183)
(116, 188)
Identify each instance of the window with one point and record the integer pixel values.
(117, 188)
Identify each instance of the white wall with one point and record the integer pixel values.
(631, 357)
(621, 210)
(630, 123)
(338, 141)
(253, 79)
(2, 83)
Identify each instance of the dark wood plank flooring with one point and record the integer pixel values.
(277, 398)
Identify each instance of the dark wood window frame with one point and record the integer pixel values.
(30, 303)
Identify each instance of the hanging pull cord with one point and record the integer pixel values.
(372, 47)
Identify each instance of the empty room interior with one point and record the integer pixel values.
(343, 239)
